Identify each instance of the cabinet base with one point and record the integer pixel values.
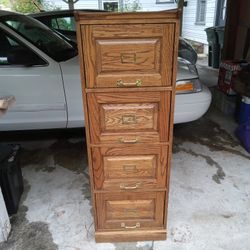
(127, 236)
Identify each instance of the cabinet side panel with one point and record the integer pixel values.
(85, 107)
(167, 54)
(89, 52)
(171, 120)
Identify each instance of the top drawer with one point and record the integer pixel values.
(130, 55)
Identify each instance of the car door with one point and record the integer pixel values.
(37, 87)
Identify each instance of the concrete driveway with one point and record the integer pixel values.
(209, 204)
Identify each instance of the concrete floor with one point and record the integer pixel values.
(209, 205)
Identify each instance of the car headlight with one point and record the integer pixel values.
(188, 86)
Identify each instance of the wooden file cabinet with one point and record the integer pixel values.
(128, 71)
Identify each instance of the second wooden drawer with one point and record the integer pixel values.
(129, 117)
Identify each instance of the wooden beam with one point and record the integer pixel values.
(232, 21)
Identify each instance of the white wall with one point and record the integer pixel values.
(151, 5)
(147, 5)
(190, 30)
(82, 4)
(193, 31)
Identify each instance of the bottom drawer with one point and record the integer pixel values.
(129, 211)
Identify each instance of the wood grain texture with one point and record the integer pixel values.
(140, 117)
(115, 168)
(115, 210)
(133, 235)
(86, 119)
(129, 53)
(171, 121)
(120, 90)
(115, 31)
(128, 72)
(129, 17)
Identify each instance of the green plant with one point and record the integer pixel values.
(28, 6)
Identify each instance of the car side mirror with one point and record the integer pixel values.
(24, 57)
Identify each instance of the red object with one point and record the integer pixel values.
(228, 72)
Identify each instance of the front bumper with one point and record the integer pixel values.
(191, 106)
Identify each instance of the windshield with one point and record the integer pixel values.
(186, 51)
(41, 36)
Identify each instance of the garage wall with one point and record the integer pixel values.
(190, 29)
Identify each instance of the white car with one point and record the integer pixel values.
(41, 70)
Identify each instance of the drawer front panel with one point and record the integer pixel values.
(118, 117)
(127, 210)
(129, 117)
(130, 55)
(130, 211)
(129, 168)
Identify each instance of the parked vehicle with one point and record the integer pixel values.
(42, 71)
(62, 21)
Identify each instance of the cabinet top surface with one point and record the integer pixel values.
(133, 17)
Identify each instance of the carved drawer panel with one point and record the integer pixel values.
(129, 168)
(129, 117)
(130, 211)
(128, 55)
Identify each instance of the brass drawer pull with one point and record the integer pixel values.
(122, 140)
(122, 186)
(137, 83)
(137, 225)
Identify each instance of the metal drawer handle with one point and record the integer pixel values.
(124, 187)
(137, 83)
(137, 225)
(122, 140)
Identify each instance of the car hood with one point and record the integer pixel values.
(183, 71)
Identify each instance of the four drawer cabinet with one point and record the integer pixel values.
(128, 72)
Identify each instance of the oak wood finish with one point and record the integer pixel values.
(128, 72)
(126, 54)
(134, 117)
(132, 235)
(130, 210)
(130, 168)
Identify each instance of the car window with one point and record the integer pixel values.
(54, 24)
(8, 47)
(64, 23)
(41, 36)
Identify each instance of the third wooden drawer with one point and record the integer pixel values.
(130, 167)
